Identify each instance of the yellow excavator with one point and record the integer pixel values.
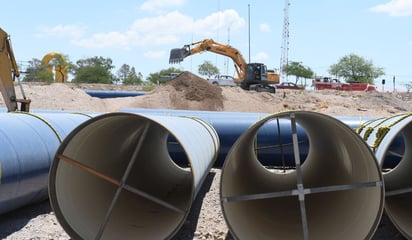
(251, 76)
(8, 73)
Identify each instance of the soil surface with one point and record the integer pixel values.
(189, 91)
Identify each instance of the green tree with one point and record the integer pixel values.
(354, 68)
(37, 72)
(408, 86)
(207, 69)
(298, 70)
(94, 70)
(163, 76)
(127, 75)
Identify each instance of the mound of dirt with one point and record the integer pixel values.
(191, 92)
(186, 91)
(195, 88)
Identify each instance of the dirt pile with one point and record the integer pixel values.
(186, 91)
(191, 92)
(194, 88)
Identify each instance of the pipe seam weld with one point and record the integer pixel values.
(43, 120)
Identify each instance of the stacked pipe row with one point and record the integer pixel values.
(28, 143)
(383, 136)
(135, 175)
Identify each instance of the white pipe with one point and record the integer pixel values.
(380, 134)
(113, 178)
(337, 193)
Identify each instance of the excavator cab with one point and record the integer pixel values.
(256, 77)
(256, 73)
(178, 54)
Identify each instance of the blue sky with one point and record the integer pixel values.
(141, 33)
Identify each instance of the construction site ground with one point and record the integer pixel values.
(189, 91)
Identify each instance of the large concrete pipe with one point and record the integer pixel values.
(337, 193)
(391, 137)
(28, 142)
(113, 177)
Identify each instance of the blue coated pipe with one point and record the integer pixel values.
(113, 94)
(28, 142)
(273, 139)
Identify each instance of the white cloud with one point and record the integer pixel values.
(158, 5)
(218, 22)
(264, 27)
(105, 40)
(171, 23)
(164, 29)
(260, 57)
(155, 54)
(62, 31)
(395, 8)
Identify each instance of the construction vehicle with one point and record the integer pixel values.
(8, 73)
(329, 83)
(250, 75)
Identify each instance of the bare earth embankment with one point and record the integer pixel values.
(191, 92)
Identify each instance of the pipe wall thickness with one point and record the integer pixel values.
(391, 137)
(28, 142)
(113, 177)
(337, 193)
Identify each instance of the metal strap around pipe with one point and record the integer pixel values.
(301, 190)
(117, 183)
(122, 182)
(295, 192)
(282, 154)
(398, 192)
(280, 145)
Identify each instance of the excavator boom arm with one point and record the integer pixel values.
(8, 72)
(178, 54)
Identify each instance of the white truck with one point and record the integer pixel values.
(222, 80)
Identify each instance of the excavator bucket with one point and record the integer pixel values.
(178, 54)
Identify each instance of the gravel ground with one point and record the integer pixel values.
(205, 220)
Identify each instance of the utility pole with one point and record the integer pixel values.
(228, 43)
(248, 6)
(393, 80)
(284, 61)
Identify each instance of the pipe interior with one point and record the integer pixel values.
(337, 156)
(399, 207)
(82, 199)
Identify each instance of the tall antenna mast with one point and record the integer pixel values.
(248, 7)
(284, 61)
